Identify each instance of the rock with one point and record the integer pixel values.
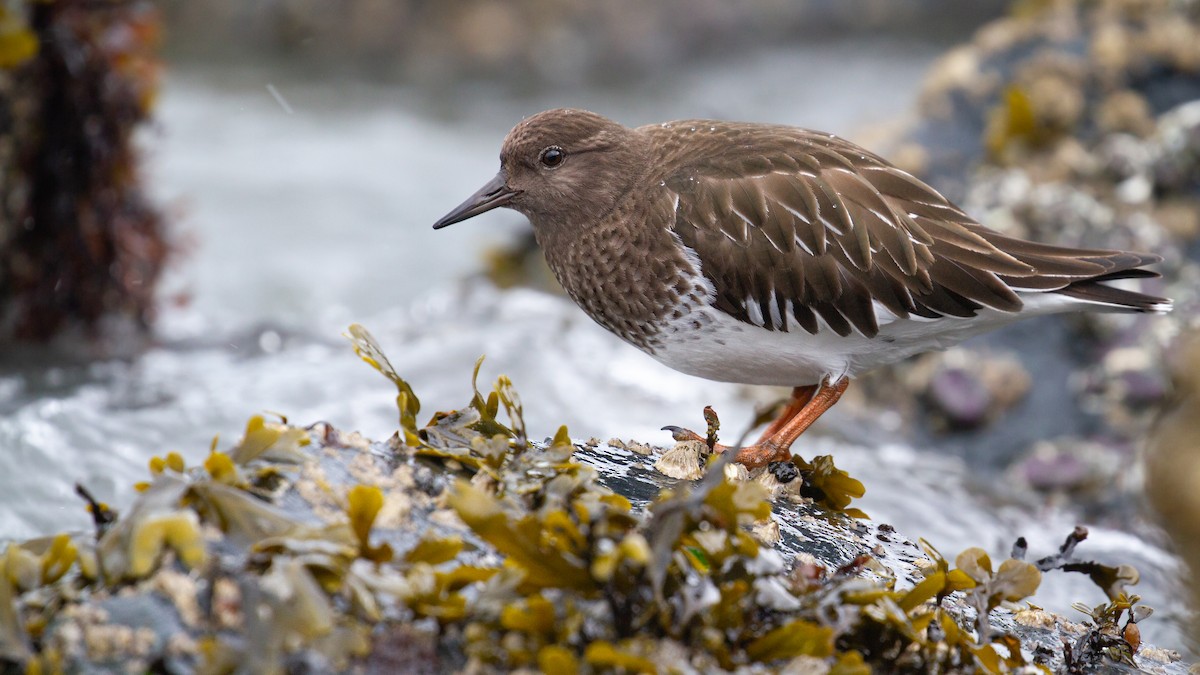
(521, 44)
(1135, 71)
(1172, 463)
(1071, 123)
(960, 397)
(1070, 465)
(966, 388)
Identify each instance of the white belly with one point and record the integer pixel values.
(725, 349)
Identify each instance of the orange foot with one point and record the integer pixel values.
(806, 405)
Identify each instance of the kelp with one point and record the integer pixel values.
(508, 554)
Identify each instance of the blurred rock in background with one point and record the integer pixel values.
(1032, 87)
(1173, 460)
(80, 245)
(533, 42)
(1075, 123)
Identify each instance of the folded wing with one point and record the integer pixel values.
(817, 230)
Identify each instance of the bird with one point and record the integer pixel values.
(767, 254)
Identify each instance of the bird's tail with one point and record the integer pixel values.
(1081, 274)
(1096, 291)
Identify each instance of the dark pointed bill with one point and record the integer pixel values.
(493, 195)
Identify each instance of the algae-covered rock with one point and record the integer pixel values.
(461, 545)
(1050, 75)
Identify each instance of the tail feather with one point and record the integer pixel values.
(1128, 274)
(1117, 299)
(1081, 273)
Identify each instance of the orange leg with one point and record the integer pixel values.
(776, 448)
(800, 398)
(807, 404)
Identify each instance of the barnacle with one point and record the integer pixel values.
(684, 461)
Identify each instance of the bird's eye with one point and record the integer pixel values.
(552, 156)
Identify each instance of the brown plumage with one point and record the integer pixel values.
(770, 254)
(781, 214)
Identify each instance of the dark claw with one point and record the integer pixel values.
(680, 434)
(784, 472)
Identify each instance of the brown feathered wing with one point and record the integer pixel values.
(816, 228)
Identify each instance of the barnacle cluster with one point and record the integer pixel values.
(462, 545)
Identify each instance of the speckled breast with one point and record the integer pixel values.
(631, 278)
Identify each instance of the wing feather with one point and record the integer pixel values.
(795, 226)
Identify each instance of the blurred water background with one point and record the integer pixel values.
(302, 181)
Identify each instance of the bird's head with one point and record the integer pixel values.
(561, 167)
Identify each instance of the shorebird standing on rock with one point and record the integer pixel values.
(767, 254)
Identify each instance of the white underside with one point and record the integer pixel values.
(711, 344)
(729, 350)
